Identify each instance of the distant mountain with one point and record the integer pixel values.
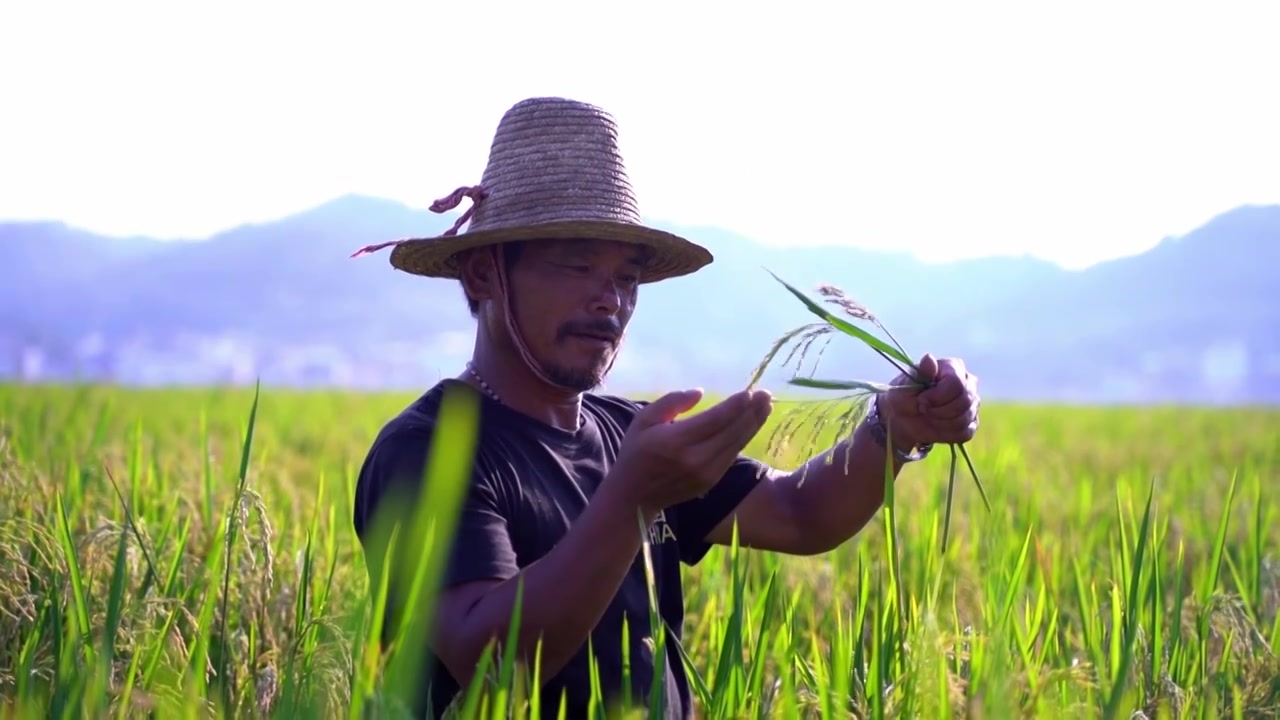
(1193, 319)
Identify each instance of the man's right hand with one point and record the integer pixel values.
(664, 461)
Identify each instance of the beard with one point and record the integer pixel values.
(586, 378)
(582, 379)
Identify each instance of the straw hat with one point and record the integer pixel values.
(554, 172)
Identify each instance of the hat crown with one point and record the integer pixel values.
(551, 160)
(554, 172)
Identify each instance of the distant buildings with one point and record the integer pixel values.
(230, 360)
(1226, 372)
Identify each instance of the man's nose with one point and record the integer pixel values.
(608, 298)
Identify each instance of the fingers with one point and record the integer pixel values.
(725, 429)
(735, 437)
(957, 420)
(951, 405)
(953, 408)
(713, 420)
(928, 367)
(953, 390)
(958, 431)
(668, 407)
(957, 427)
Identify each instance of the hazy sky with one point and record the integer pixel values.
(1083, 132)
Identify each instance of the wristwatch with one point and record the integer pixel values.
(881, 435)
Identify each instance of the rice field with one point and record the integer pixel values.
(1130, 567)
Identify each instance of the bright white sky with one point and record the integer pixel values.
(1076, 133)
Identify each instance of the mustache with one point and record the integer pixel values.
(610, 330)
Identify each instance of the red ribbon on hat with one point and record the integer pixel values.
(444, 204)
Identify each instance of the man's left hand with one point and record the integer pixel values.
(945, 412)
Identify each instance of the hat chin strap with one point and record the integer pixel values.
(514, 331)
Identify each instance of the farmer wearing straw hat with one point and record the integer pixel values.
(551, 264)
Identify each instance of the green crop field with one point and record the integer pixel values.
(122, 595)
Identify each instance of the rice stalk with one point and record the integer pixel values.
(855, 404)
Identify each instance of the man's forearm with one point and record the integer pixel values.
(565, 592)
(836, 494)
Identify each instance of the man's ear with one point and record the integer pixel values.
(478, 276)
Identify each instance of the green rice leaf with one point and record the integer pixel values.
(974, 471)
(865, 385)
(951, 488)
(846, 327)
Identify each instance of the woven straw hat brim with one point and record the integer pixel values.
(436, 257)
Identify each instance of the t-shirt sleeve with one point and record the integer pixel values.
(698, 517)
(392, 477)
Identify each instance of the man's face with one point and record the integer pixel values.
(573, 301)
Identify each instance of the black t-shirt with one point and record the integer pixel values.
(530, 481)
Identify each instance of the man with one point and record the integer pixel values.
(551, 265)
